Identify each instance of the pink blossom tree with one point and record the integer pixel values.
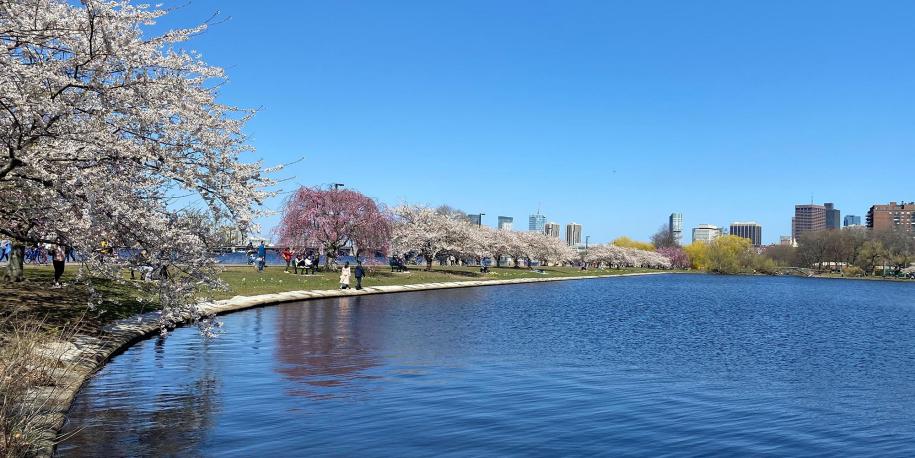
(331, 219)
(678, 258)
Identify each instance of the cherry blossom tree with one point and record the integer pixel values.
(423, 231)
(497, 243)
(617, 257)
(108, 133)
(677, 256)
(331, 219)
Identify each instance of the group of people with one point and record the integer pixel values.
(307, 263)
(397, 264)
(257, 256)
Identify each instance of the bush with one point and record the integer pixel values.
(852, 271)
(30, 359)
(765, 265)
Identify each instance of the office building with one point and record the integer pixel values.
(833, 217)
(706, 233)
(785, 240)
(573, 234)
(475, 219)
(552, 229)
(536, 223)
(505, 223)
(851, 220)
(749, 230)
(807, 218)
(892, 216)
(675, 226)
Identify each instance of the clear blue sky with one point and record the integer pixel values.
(610, 114)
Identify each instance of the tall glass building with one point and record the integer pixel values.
(505, 223)
(675, 226)
(536, 223)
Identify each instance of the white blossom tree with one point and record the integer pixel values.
(105, 130)
(422, 231)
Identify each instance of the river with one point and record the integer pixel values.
(655, 365)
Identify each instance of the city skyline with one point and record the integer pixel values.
(472, 106)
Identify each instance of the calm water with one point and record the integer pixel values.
(662, 365)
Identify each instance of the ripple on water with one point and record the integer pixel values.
(663, 365)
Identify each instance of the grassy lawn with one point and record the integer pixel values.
(246, 281)
(36, 299)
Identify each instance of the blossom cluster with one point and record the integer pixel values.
(616, 257)
(115, 138)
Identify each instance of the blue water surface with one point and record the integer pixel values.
(678, 365)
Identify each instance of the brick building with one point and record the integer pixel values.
(892, 216)
(808, 218)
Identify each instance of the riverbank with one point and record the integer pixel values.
(80, 354)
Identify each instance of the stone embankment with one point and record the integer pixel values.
(83, 355)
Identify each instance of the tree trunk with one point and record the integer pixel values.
(14, 270)
(429, 264)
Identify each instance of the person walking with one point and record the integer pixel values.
(5, 251)
(261, 256)
(344, 276)
(287, 256)
(360, 272)
(71, 254)
(60, 256)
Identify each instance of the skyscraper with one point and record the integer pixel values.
(675, 226)
(807, 218)
(476, 219)
(536, 223)
(552, 229)
(851, 220)
(833, 216)
(706, 233)
(573, 234)
(749, 230)
(505, 223)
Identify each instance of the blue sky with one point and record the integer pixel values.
(610, 114)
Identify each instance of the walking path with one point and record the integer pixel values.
(84, 355)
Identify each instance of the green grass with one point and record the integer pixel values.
(36, 299)
(246, 281)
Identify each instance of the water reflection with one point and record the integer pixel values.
(164, 420)
(320, 349)
(710, 365)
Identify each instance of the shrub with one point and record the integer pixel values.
(852, 271)
(30, 360)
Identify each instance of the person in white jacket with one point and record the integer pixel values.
(344, 276)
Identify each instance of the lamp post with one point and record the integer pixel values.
(338, 185)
